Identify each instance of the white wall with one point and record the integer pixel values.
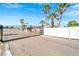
(68, 32)
(74, 32)
(50, 31)
(63, 32)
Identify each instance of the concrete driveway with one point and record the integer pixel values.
(44, 46)
(1, 48)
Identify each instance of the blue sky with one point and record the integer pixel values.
(11, 13)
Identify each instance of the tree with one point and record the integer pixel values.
(73, 23)
(52, 17)
(44, 23)
(6, 26)
(11, 27)
(23, 24)
(62, 7)
(30, 28)
(46, 8)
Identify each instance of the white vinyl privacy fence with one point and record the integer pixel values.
(65, 32)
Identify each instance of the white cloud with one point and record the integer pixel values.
(12, 5)
(75, 6)
(76, 12)
(73, 11)
(73, 14)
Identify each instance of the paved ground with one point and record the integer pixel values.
(1, 48)
(44, 46)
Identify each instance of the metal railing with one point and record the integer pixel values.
(9, 34)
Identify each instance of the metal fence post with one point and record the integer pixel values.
(42, 29)
(1, 27)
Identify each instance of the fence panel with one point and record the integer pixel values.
(63, 32)
(74, 32)
(50, 31)
(68, 32)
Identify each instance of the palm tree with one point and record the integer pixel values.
(23, 25)
(52, 17)
(44, 23)
(46, 8)
(62, 7)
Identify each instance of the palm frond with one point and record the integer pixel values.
(46, 8)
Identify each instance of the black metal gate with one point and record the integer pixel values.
(13, 33)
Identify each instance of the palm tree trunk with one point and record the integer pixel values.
(52, 23)
(45, 16)
(59, 24)
(45, 19)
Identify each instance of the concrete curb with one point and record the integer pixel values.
(2, 48)
(7, 51)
